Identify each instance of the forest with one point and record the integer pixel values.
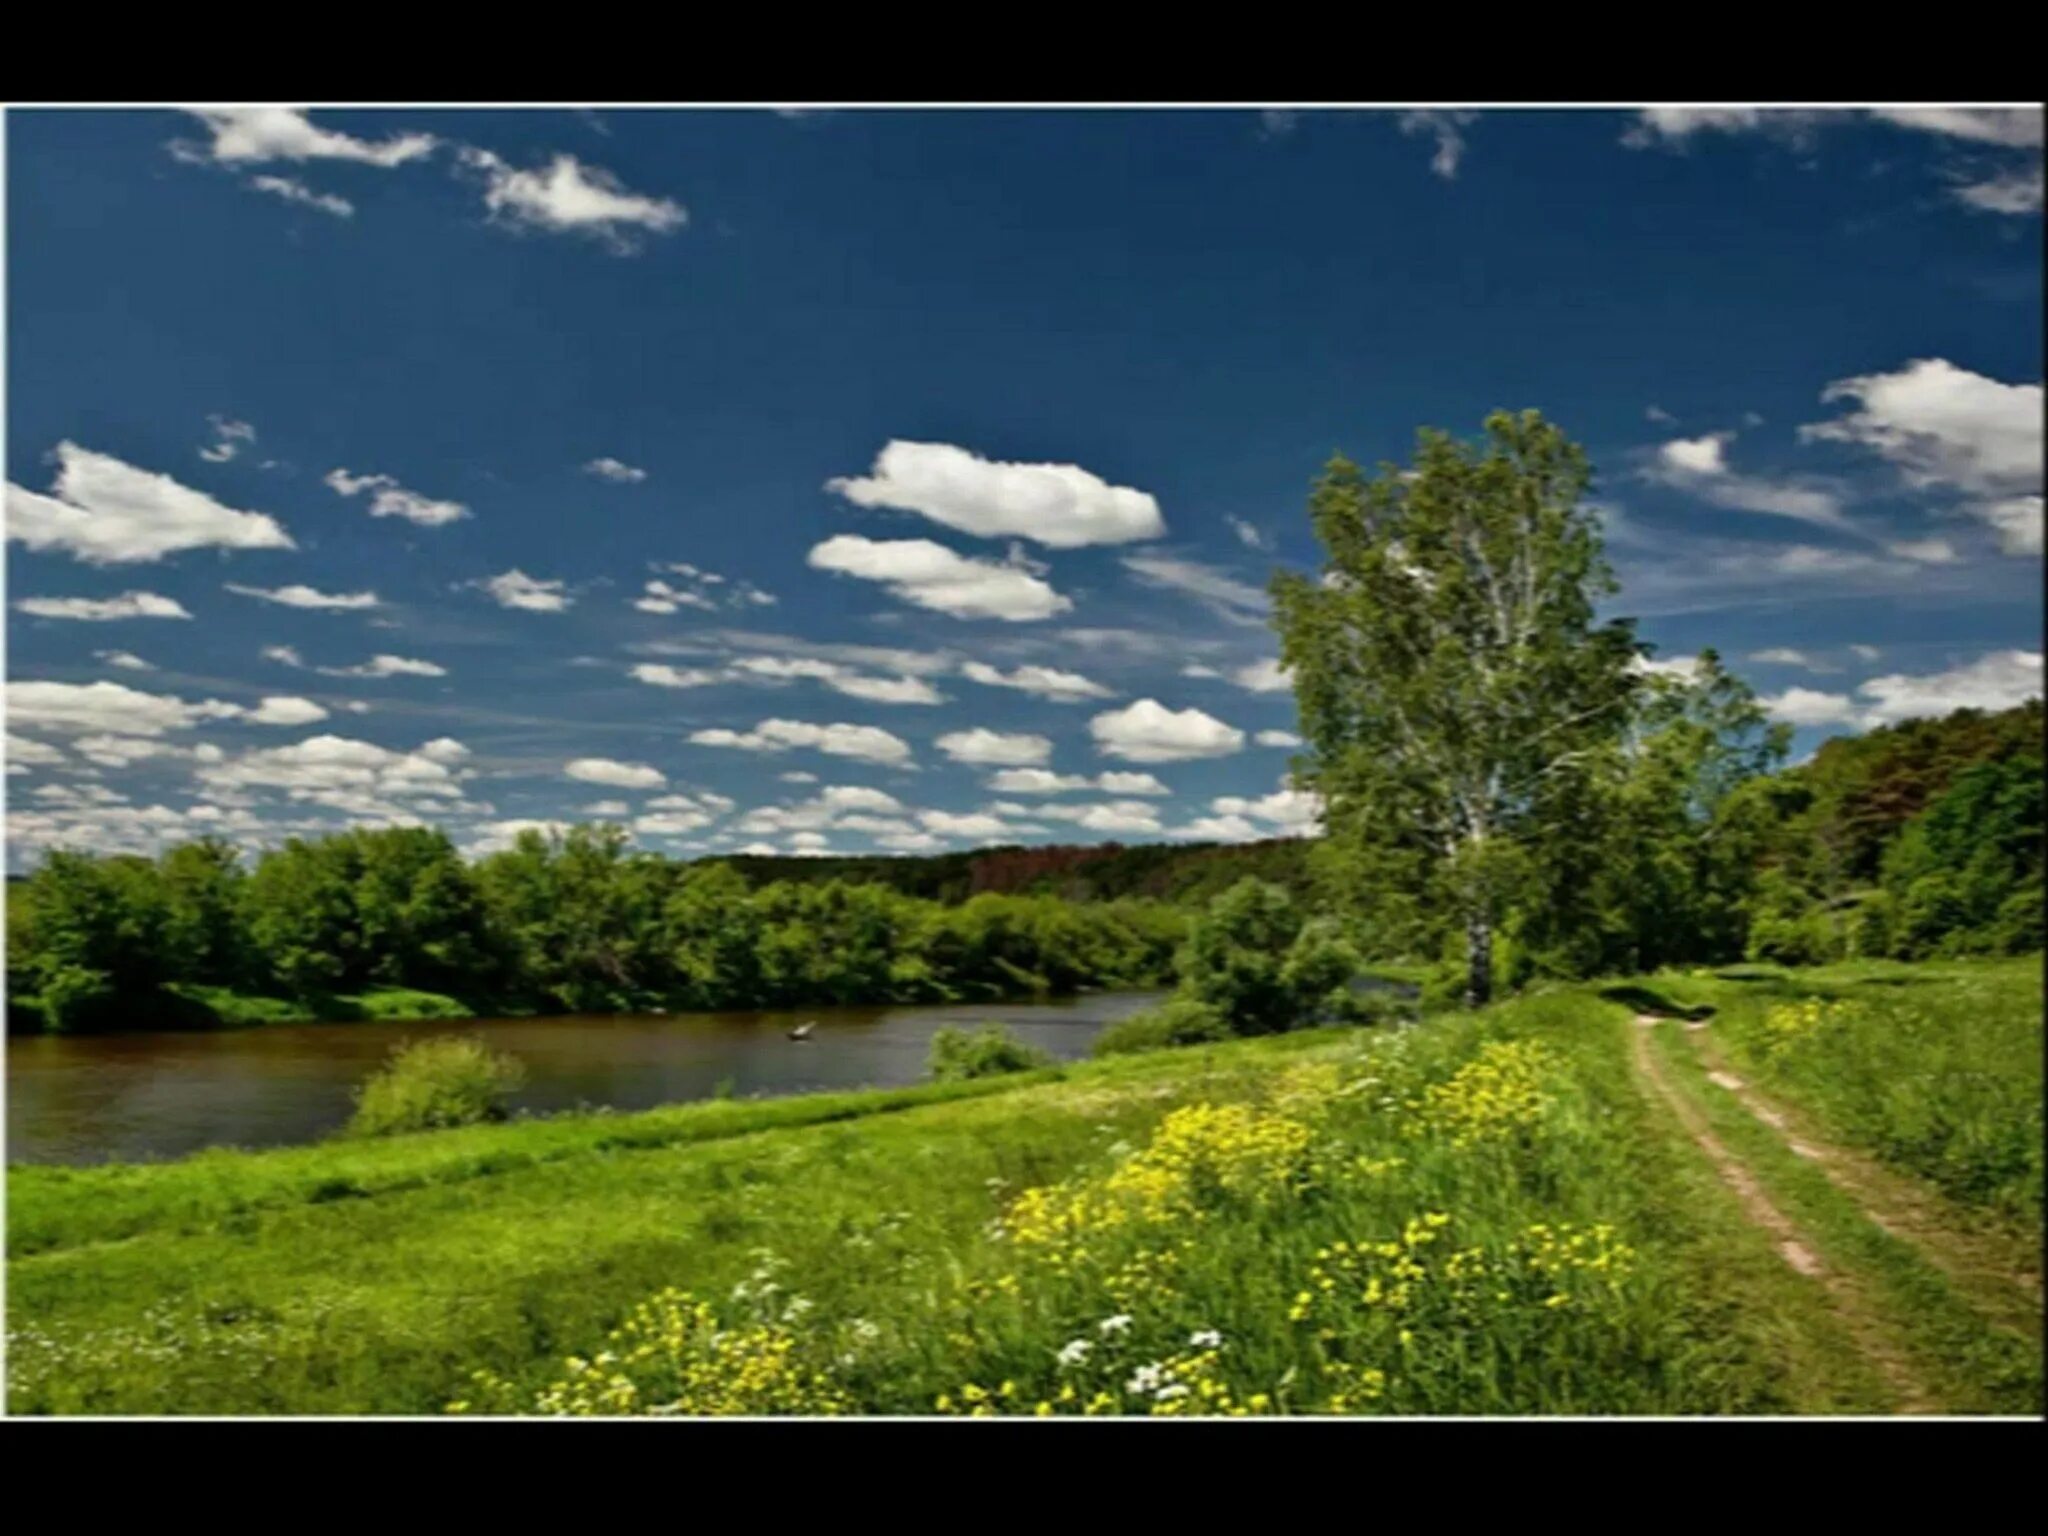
(1913, 841)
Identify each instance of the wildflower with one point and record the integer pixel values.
(1075, 1352)
(1119, 1324)
(1207, 1338)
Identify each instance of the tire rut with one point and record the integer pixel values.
(1844, 1295)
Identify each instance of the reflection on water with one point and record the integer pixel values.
(129, 1097)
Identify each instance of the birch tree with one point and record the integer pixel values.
(1450, 675)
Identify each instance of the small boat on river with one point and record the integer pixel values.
(803, 1030)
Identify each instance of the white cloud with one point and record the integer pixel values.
(129, 605)
(390, 499)
(1045, 682)
(867, 743)
(1784, 656)
(283, 709)
(2006, 127)
(607, 808)
(1944, 427)
(1059, 505)
(248, 135)
(1996, 680)
(376, 666)
(1237, 600)
(299, 596)
(293, 190)
(1446, 128)
(1866, 652)
(516, 589)
(1672, 127)
(497, 836)
(1291, 812)
(1107, 816)
(105, 512)
(839, 678)
(1699, 466)
(608, 468)
(932, 576)
(107, 709)
(1277, 739)
(970, 824)
(1930, 551)
(984, 746)
(128, 661)
(568, 197)
(229, 438)
(1264, 676)
(20, 749)
(1149, 732)
(1043, 781)
(661, 675)
(2010, 192)
(605, 770)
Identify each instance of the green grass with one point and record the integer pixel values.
(1934, 1069)
(879, 1251)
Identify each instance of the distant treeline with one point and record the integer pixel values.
(1916, 840)
(576, 923)
(1178, 872)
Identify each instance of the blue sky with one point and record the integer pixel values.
(889, 480)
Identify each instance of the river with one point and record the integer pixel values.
(143, 1095)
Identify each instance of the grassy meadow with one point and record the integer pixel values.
(1485, 1213)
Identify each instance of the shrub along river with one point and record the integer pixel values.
(141, 1095)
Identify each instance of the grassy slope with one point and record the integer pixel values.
(375, 1277)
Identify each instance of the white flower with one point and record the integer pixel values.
(1168, 1393)
(1146, 1378)
(1075, 1351)
(1207, 1338)
(1118, 1324)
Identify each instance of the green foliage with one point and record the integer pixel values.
(1451, 680)
(1177, 1021)
(431, 1085)
(958, 1055)
(392, 923)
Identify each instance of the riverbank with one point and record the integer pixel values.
(907, 1246)
(154, 1094)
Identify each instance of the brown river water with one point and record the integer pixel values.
(145, 1095)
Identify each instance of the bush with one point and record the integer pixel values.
(1181, 1021)
(433, 1084)
(957, 1055)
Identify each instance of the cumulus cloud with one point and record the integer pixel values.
(661, 675)
(284, 709)
(699, 588)
(995, 748)
(1044, 682)
(300, 596)
(516, 589)
(1149, 732)
(1043, 781)
(567, 196)
(1119, 816)
(107, 709)
(867, 743)
(1994, 681)
(1264, 676)
(129, 605)
(344, 774)
(105, 512)
(929, 575)
(390, 499)
(376, 666)
(605, 770)
(1945, 428)
(251, 135)
(617, 470)
(1059, 505)
(1277, 739)
(127, 661)
(839, 678)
